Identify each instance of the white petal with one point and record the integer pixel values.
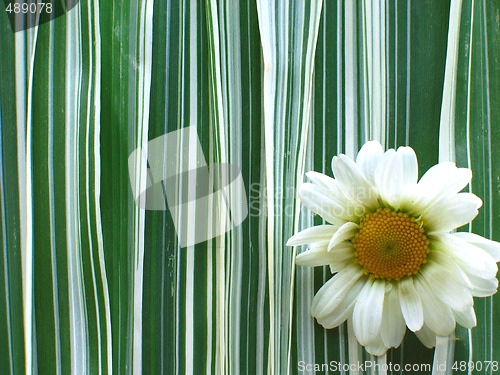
(353, 181)
(338, 265)
(368, 158)
(491, 247)
(315, 256)
(324, 181)
(442, 180)
(483, 287)
(426, 337)
(367, 314)
(328, 183)
(376, 347)
(472, 259)
(344, 250)
(319, 233)
(437, 315)
(332, 189)
(314, 198)
(452, 212)
(411, 200)
(382, 167)
(400, 170)
(342, 256)
(344, 309)
(393, 326)
(410, 165)
(345, 232)
(467, 318)
(446, 281)
(333, 292)
(411, 304)
(391, 181)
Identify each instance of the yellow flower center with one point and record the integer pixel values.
(390, 244)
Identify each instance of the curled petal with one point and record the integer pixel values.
(345, 232)
(314, 198)
(315, 256)
(452, 212)
(491, 247)
(319, 233)
(472, 259)
(333, 292)
(344, 309)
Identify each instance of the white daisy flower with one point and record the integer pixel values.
(388, 242)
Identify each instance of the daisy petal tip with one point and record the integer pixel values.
(293, 241)
(376, 350)
(311, 174)
(407, 151)
(466, 173)
(371, 147)
(476, 200)
(415, 326)
(298, 261)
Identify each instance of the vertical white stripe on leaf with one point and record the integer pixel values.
(192, 158)
(28, 259)
(469, 87)
(408, 68)
(374, 61)
(382, 363)
(88, 186)
(447, 121)
(340, 82)
(25, 203)
(305, 288)
(51, 198)
(443, 355)
(351, 80)
(468, 137)
(231, 66)
(219, 147)
(143, 99)
(97, 187)
(77, 311)
(267, 22)
(354, 348)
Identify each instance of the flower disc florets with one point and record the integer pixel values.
(390, 244)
